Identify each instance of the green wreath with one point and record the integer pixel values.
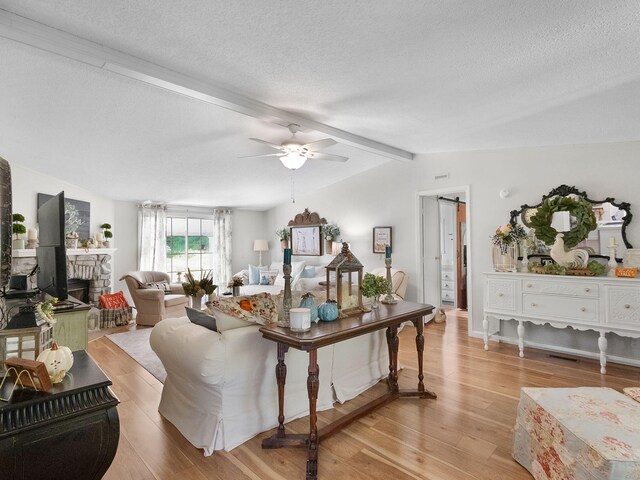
(580, 209)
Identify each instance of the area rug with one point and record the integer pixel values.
(136, 344)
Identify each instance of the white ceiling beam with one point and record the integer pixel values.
(40, 36)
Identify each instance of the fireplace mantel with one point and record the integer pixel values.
(93, 264)
(31, 252)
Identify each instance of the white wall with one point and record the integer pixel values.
(28, 183)
(125, 228)
(387, 196)
(249, 225)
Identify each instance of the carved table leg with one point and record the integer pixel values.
(521, 338)
(392, 345)
(421, 392)
(485, 332)
(602, 345)
(281, 376)
(312, 390)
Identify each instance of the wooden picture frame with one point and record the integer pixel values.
(381, 238)
(306, 241)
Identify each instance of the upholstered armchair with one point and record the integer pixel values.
(152, 303)
(399, 281)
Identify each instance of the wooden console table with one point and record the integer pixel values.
(70, 432)
(328, 333)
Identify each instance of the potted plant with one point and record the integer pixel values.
(374, 286)
(283, 235)
(18, 229)
(196, 289)
(106, 232)
(235, 284)
(330, 233)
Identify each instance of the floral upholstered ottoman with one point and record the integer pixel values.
(578, 434)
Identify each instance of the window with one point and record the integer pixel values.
(189, 242)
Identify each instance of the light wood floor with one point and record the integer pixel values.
(464, 434)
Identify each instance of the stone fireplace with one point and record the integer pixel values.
(88, 265)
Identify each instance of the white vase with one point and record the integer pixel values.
(505, 258)
(196, 303)
(17, 244)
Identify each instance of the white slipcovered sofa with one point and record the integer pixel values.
(221, 389)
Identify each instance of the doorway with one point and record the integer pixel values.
(444, 278)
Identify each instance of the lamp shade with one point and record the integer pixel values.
(260, 245)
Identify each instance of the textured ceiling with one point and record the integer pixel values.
(422, 76)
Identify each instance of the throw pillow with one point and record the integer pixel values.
(254, 274)
(259, 308)
(308, 272)
(113, 300)
(632, 392)
(225, 321)
(162, 285)
(201, 318)
(267, 277)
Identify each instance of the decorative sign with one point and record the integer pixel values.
(626, 272)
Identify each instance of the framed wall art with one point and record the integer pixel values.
(381, 238)
(306, 241)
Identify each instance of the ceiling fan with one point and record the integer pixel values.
(293, 153)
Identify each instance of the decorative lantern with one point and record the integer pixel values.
(346, 262)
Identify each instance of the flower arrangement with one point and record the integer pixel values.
(44, 310)
(197, 288)
(283, 234)
(331, 232)
(235, 282)
(374, 285)
(507, 235)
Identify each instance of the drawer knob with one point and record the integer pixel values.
(529, 285)
(583, 309)
(501, 294)
(534, 305)
(587, 289)
(626, 305)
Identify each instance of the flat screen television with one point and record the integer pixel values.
(52, 253)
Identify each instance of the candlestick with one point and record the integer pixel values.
(388, 298)
(287, 256)
(286, 301)
(32, 234)
(612, 260)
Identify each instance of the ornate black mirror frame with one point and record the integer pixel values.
(565, 190)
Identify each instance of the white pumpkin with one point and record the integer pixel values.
(58, 360)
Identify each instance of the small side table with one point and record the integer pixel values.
(70, 432)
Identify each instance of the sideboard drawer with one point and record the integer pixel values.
(623, 305)
(571, 288)
(567, 308)
(501, 294)
(448, 296)
(448, 285)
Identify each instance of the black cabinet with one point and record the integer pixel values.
(71, 432)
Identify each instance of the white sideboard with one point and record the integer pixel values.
(603, 304)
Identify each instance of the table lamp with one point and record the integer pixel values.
(260, 246)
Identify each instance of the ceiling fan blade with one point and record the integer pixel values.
(264, 155)
(328, 156)
(272, 145)
(320, 144)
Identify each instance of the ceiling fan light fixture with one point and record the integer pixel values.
(293, 160)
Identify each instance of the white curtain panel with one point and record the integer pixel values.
(152, 237)
(222, 223)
